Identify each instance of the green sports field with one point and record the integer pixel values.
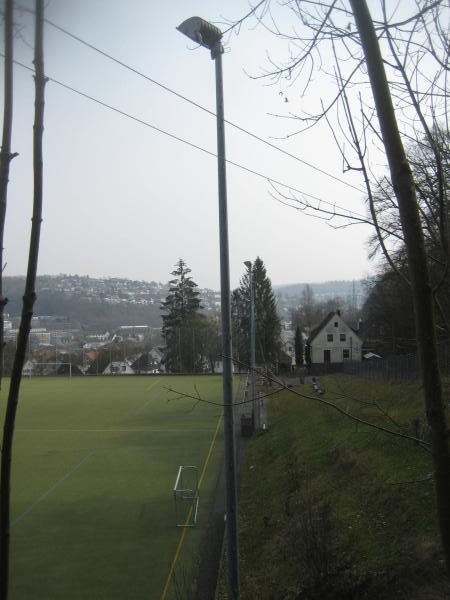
(94, 465)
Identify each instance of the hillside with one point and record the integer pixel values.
(335, 510)
(326, 290)
(104, 304)
(90, 303)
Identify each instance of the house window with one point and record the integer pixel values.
(329, 337)
(336, 324)
(346, 354)
(342, 337)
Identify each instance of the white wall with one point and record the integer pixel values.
(349, 348)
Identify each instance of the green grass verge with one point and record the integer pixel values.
(94, 464)
(334, 509)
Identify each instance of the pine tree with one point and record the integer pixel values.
(298, 345)
(267, 322)
(181, 322)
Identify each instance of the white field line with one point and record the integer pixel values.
(153, 385)
(51, 489)
(147, 402)
(142, 407)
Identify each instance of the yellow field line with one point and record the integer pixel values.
(183, 534)
(209, 452)
(114, 430)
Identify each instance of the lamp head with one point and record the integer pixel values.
(201, 32)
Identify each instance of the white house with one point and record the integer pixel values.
(287, 339)
(333, 341)
(118, 367)
(28, 367)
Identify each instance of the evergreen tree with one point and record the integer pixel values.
(298, 345)
(267, 322)
(181, 322)
(210, 342)
(240, 324)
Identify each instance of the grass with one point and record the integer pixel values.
(94, 464)
(334, 509)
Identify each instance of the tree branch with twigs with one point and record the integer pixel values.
(332, 404)
(6, 155)
(27, 307)
(396, 62)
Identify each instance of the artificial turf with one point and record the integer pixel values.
(94, 464)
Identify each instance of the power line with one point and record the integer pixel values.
(348, 214)
(199, 106)
(117, 110)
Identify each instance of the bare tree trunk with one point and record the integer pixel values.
(27, 308)
(5, 157)
(403, 183)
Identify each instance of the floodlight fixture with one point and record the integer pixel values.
(201, 32)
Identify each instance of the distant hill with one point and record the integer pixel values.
(105, 304)
(326, 290)
(89, 303)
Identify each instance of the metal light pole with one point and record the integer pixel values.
(255, 412)
(209, 36)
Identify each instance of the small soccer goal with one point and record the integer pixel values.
(185, 494)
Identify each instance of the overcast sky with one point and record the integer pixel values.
(124, 200)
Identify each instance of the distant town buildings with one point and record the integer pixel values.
(130, 347)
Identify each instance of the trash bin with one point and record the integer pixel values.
(246, 425)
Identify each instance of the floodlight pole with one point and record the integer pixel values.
(255, 411)
(230, 453)
(208, 35)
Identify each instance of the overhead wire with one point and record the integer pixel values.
(348, 213)
(199, 106)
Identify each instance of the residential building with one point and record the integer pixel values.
(333, 341)
(117, 367)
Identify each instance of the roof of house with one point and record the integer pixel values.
(130, 360)
(287, 336)
(316, 330)
(371, 356)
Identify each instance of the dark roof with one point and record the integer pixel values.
(318, 329)
(324, 322)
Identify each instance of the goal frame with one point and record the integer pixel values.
(185, 492)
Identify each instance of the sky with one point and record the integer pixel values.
(122, 199)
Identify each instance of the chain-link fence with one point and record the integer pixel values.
(397, 368)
